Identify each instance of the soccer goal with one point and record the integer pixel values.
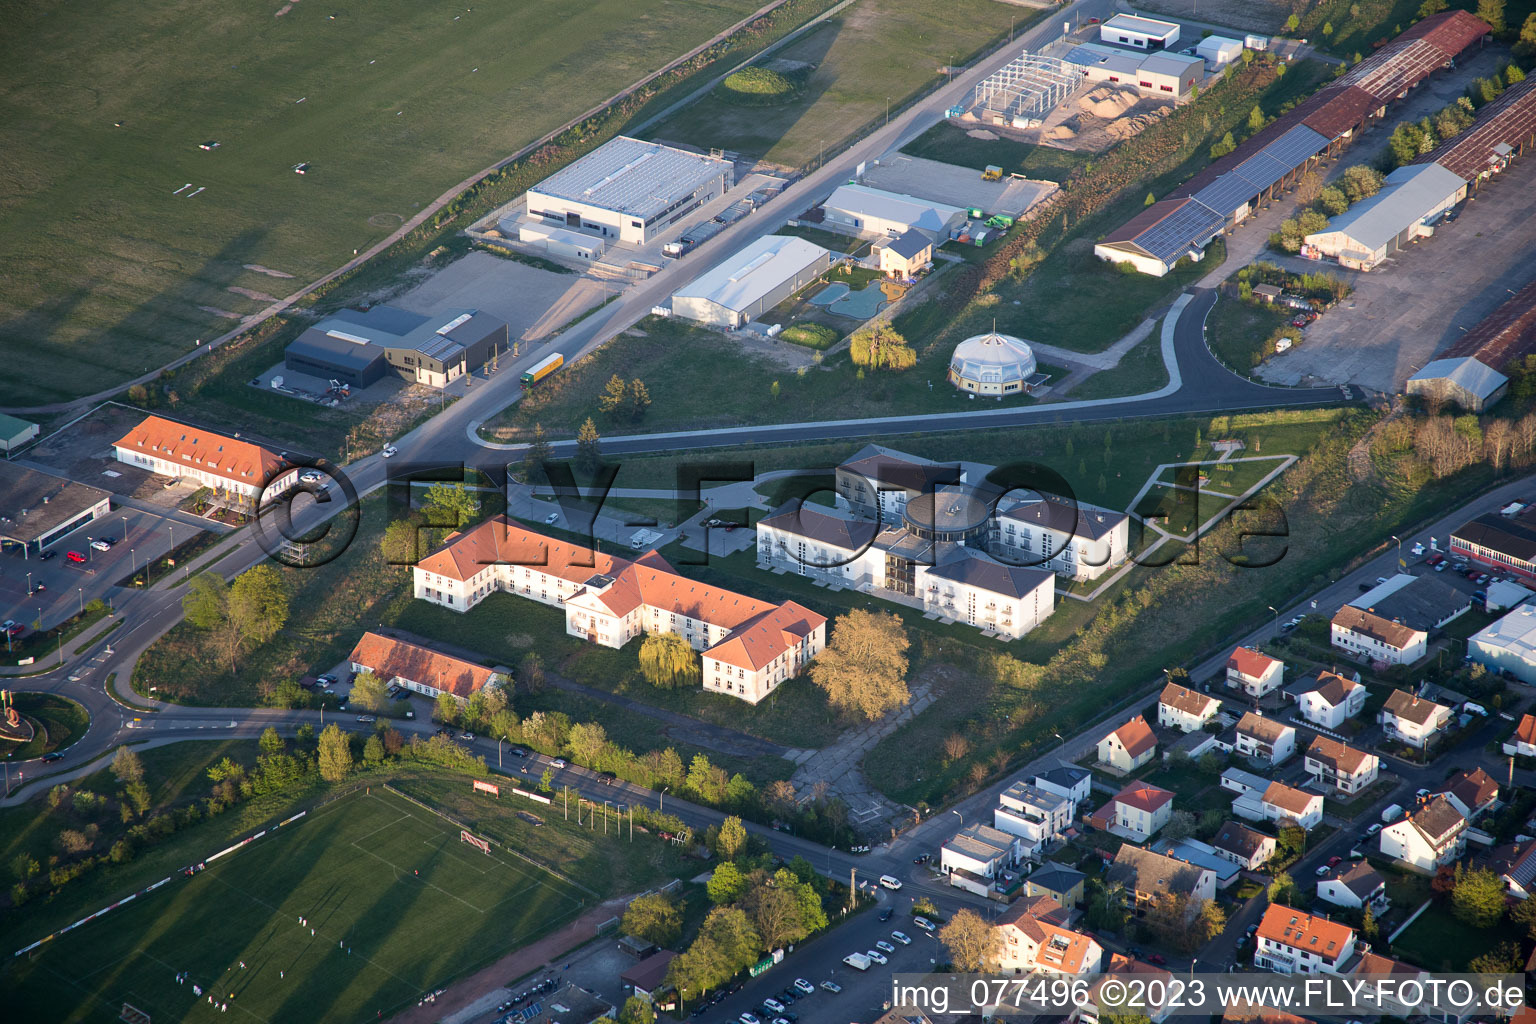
(483, 845)
(133, 1015)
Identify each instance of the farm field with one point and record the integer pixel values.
(109, 271)
(350, 870)
(871, 53)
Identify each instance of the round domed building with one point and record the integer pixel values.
(992, 364)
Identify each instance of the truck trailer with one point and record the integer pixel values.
(541, 369)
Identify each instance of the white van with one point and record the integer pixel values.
(891, 882)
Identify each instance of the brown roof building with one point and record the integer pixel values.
(420, 668)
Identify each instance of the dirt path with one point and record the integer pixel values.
(465, 992)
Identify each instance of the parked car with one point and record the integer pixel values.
(923, 923)
(1335, 861)
(877, 956)
(101, 544)
(832, 986)
(1322, 870)
(805, 986)
(550, 520)
(310, 477)
(924, 859)
(902, 937)
(1157, 958)
(46, 555)
(1375, 827)
(885, 915)
(774, 1005)
(749, 1018)
(885, 947)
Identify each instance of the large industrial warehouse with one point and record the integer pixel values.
(1159, 73)
(359, 347)
(1504, 129)
(1467, 373)
(39, 508)
(1406, 209)
(876, 213)
(629, 190)
(1226, 192)
(752, 281)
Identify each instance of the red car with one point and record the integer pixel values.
(1334, 862)
(75, 556)
(1157, 958)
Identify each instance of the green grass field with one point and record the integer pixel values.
(382, 934)
(108, 272)
(870, 54)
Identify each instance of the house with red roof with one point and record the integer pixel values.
(1128, 747)
(1295, 942)
(1034, 939)
(1253, 672)
(1523, 742)
(1136, 812)
(748, 646)
(240, 472)
(1473, 793)
(420, 668)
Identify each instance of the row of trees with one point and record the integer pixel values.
(1439, 445)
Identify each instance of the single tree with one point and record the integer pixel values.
(638, 399)
(536, 456)
(612, 398)
(1492, 11)
(726, 884)
(654, 917)
(369, 691)
(271, 743)
(530, 672)
(636, 1011)
(1429, 7)
(1181, 825)
(972, 943)
(732, 841)
(447, 709)
(398, 544)
(668, 661)
(588, 742)
(373, 750)
(127, 767)
(864, 666)
(451, 505)
(250, 610)
(589, 451)
(335, 754)
(1478, 899)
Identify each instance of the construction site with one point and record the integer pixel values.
(1061, 103)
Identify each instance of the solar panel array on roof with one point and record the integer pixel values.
(1190, 225)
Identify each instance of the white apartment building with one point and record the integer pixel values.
(1345, 769)
(1430, 837)
(1077, 541)
(1036, 816)
(1364, 634)
(749, 647)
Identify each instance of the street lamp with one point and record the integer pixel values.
(661, 800)
(29, 584)
(958, 815)
(81, 592)
(1192, 962)
(498, 750)
(1277, 619)
(133, 557)
(1399, 540)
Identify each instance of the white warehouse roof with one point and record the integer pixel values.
(1410, 193)
(1141, 26)
(1471, 375)
(753, 271)
(1515, 633)
(893, 206)
(632, 176)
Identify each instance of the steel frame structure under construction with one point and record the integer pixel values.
(1031, 85)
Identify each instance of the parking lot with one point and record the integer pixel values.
(68, 585)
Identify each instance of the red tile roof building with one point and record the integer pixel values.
(749, 646)
(419, 668)
(1295, 942)
(1035, 939)
(234, 467)
(1255, 673)
(1128, 747)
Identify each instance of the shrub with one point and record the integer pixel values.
(757, 87)
(818, 336)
